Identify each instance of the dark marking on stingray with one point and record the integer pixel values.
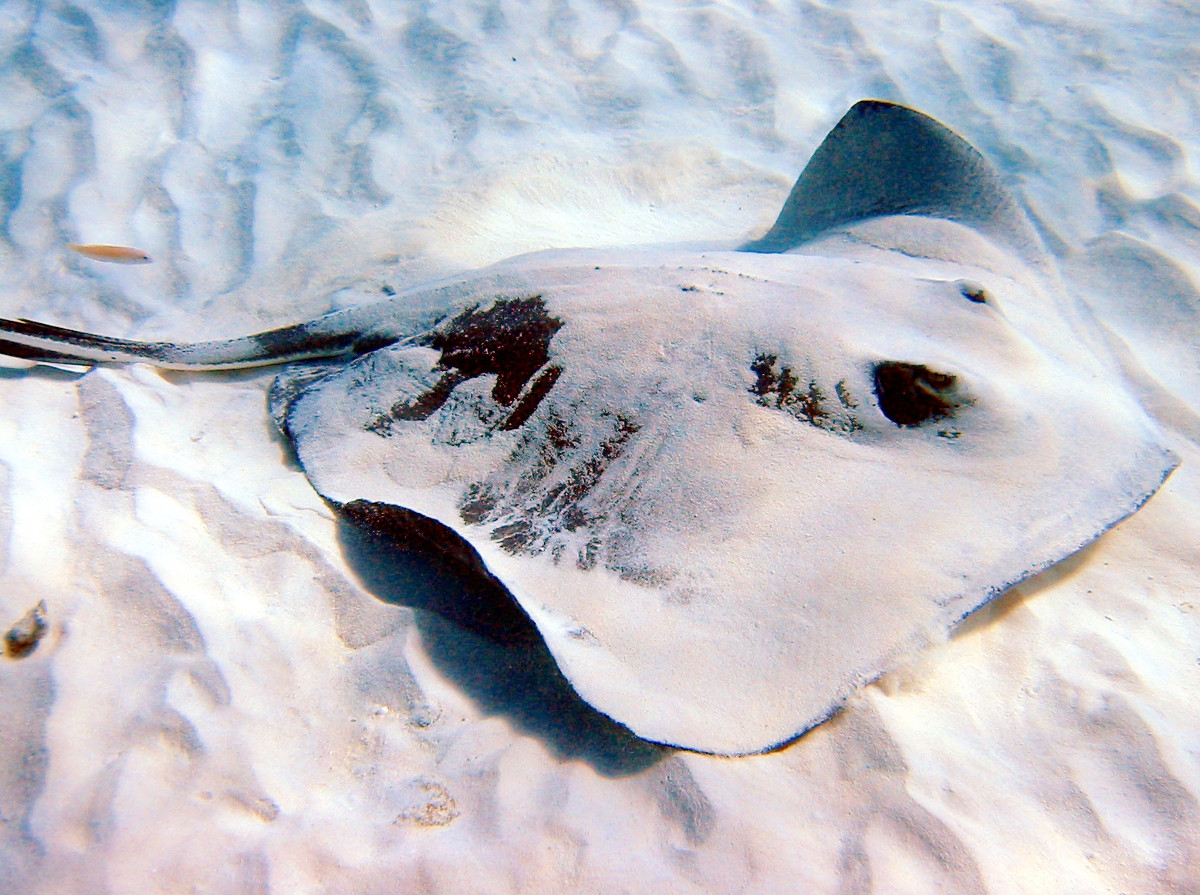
(85, 341)
(30, 352)
(807, 405)
(559, 508)
(587, 557)
(765, 380)
(477, 504)
(584, 477)
(516, 537)
(647, 576)
(510, 340)
(844, 395)
(290, 340)
(22, 638)
(423, 406)
(481, 501)
(912, 394)
(369, 342)
(548, 499)
(531, 399)
(781, 391)
(558, 435)
(787, 387)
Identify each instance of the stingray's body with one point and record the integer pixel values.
(730, 487)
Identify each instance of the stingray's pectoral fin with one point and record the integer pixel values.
(45, 343)
(291, 383)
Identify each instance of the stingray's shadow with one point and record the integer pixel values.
(479, 637)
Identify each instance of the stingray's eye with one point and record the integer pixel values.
(973, 291)
(912, 394)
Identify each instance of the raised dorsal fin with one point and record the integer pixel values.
(887, 159)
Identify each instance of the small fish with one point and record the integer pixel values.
(114, 254)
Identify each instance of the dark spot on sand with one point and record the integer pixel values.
(431, 805)
(974, 292)
(22, 638)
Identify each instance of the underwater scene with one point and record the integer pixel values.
(599, 446)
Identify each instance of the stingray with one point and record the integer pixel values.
(729, 487)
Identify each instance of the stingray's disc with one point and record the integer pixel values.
(729, 489)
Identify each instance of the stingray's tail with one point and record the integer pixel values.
(45, 343)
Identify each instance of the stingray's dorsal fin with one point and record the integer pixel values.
(886, 159)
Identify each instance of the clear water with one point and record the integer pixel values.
(220, 706)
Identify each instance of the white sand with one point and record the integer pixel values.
(220, 706)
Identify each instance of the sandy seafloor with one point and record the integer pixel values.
(220, 705)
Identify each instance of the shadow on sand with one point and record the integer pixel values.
(479, 637)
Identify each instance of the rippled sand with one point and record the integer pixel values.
(220, 704)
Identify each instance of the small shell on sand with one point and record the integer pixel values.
(113, 254)
(23, 637)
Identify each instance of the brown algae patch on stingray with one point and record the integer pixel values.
(23, 638)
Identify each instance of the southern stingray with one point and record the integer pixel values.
(729, 487)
